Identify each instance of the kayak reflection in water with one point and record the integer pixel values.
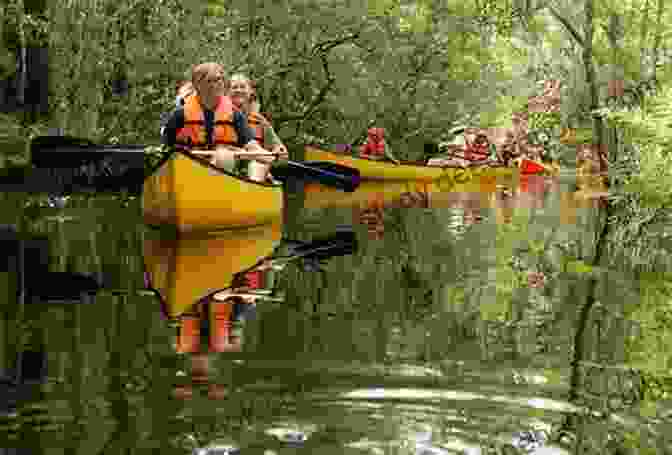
(214, 319)
(371, 215)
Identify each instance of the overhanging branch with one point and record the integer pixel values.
(570, 28)
(328, 45)
(320, 50)
(322, 95)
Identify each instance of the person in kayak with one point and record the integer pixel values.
(242, 91)
(375, 147)
(462, 152)
(184, 90)
(208, 120)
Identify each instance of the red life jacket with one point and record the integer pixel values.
(375, 145)
(255, 279)
(376, 149)
(476, 151)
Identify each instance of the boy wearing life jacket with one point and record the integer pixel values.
(375, 147)
(208, 121)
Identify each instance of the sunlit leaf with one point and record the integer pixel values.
(579, 267)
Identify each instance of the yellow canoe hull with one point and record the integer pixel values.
(387, 171)
(191, 195)
(376, 170)
(438, 193)
(184, 270)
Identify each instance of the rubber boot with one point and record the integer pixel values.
(217, 391)
(200, 368)
(189, 337)
(220, 326)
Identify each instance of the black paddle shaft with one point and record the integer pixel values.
(68, 152)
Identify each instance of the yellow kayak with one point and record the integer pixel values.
(190, 194)
(475, 180)
(184, 270)
(385, 170)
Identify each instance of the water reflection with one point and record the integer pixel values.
(504, 196)
(422, 353)
(184, 270)
(210, 288)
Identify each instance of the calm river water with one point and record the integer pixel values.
(454, 328)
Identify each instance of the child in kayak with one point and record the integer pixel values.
(375, 147)
(242, 91)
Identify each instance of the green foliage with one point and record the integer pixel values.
(543, 120)
(7, 63)
(36, 30)
(578, 267)
(153, 156)
(509, 276)
(650, 130)
(649, 350)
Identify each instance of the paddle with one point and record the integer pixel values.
(338, 244)
(325, 173)
(68, 152)
(312, 253)
(329, 174)
(228, 293)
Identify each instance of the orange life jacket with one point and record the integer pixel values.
(193, 134)
(257, 123)
(220, 332)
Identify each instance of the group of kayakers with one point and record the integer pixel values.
(216, 117)
(219, 118)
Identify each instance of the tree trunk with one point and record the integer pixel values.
(590, 71)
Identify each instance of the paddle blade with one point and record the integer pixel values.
(69, 152)
(62, 287)
(329, 174)
(338, 244)
(530, 167)
(71, 164)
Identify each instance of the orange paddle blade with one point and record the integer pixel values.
(530, 167)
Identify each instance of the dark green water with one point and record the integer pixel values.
(426, 341)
